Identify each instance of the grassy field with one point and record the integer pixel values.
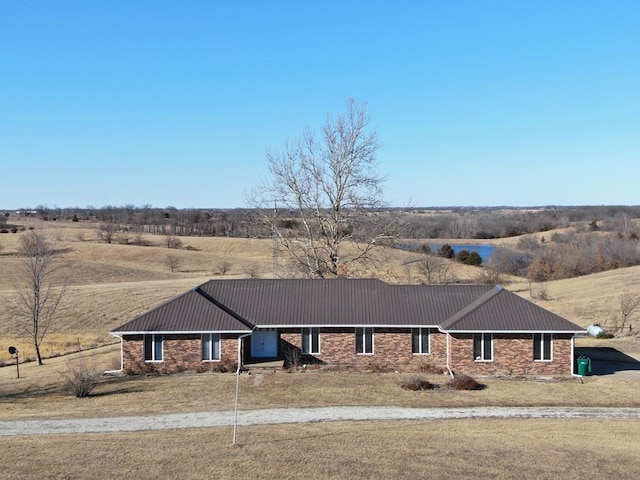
(464, 449)
(461, 449)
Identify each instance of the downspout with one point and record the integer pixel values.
(449, 357)
(573, 352)
(117, 372)
(235, 415)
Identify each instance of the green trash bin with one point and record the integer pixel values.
(584, 365)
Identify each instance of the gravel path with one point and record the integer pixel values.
(295, 415)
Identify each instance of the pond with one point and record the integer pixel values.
(485, 251)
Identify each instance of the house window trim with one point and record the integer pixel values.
(483, 337)
(210, 345)
(310, 332)
(154, 355)
(542, 341)
(364, 331)
(421, 332)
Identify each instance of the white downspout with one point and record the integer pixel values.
(116, 372)
(449, 357)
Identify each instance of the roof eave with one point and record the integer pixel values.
(176, 332)
(575, 332)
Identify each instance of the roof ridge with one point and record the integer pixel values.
(472, 307)
(226, 309)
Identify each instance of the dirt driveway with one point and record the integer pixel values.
(296, 415)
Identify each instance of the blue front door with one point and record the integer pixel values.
(264, 343)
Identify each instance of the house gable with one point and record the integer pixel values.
(189, 312)
(502, 311)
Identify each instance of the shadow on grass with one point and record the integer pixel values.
(106, 387)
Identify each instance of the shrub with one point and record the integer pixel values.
(416, 383)
(82, 378)
(224, 267)
(292, 357)
(446, 251)
(604, 335)
(376, 366)
(464, 382)
(427, 366)
(173, 242)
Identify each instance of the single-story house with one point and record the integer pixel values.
(473, 329)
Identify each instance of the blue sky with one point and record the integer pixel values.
(175, 102)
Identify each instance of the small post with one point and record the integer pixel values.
(13, 351)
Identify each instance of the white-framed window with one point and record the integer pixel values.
(420, 341)
(542, 346)
(210, 346)
(483, 347)
(310, 340)
(153, 347)
(364, 340)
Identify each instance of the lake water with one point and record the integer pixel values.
(485, 251)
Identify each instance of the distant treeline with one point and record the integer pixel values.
(449, 222)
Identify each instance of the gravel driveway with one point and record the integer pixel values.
(295, 415)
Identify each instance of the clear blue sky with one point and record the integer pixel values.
(175, 103)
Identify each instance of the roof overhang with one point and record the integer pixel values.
(346, 325)
(573, 332)
(166, 332)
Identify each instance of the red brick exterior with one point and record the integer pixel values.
(180, 353)
(512, 355)
(390, 347)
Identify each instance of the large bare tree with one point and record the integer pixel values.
(330, 187)
(40, 290)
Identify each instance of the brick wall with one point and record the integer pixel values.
(180, 353)
(391, 347)
(512, 355)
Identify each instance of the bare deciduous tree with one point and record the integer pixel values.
(331, 185)
(107, 232)
(173, 262)
(629, 304)
(40, 292)
(224, 267)
(252, 270)
(435, 268)
(173, 242)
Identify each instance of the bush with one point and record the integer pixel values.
(416, 383)
(82, 378)
(427, 366)
(292, 357)
(464, 382)
(604, 335)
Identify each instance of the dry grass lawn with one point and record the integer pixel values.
(461, 449)
(39, 393)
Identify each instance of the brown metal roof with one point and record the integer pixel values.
(339, 302)
(502, 311)
(239, 305)
(190, 312)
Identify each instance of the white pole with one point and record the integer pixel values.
(235, 414)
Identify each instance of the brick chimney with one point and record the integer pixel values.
(343, 271)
